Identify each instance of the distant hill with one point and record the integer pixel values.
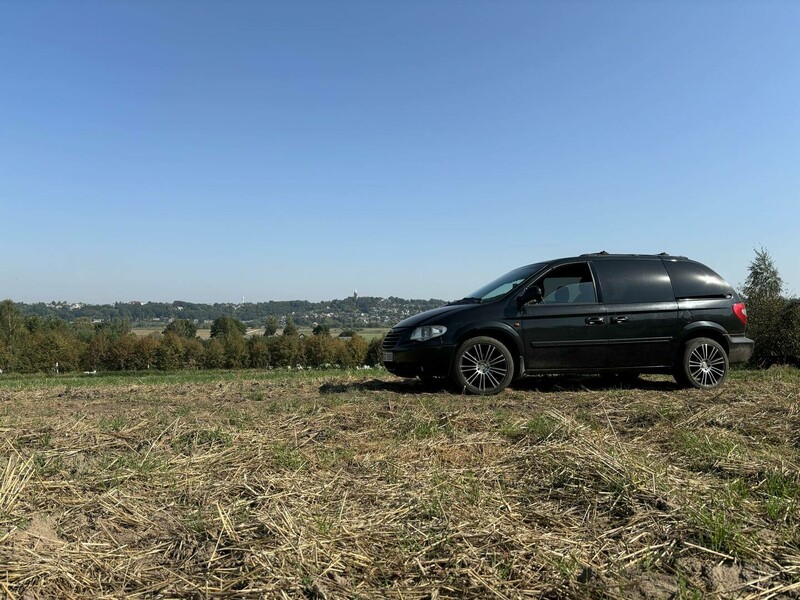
(363, 312)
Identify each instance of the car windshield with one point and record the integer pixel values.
(506, 283)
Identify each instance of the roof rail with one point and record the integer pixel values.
(601, 253)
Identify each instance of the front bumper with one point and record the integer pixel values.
(411, 361)
(741, 349)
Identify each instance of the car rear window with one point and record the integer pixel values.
(693, 280)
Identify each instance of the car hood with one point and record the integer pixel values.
(430, 315)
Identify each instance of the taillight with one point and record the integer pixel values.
(741, 312)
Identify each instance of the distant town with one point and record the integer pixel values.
(351, 312)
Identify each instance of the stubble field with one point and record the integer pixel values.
(360, 485)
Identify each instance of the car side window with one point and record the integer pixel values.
(693, 280)
(568, 284)
(628, 281)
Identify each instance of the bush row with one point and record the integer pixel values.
(32, 345)
(170, 352)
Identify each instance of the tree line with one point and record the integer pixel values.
(367, 311)
(30, 344)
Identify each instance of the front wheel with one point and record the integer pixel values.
(704, 364)
(483, 366)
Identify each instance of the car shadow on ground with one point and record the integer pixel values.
(401, 386)
(574, 383)
(539, 383)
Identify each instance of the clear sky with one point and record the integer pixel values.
(206, 151)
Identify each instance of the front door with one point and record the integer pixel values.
(567, 328)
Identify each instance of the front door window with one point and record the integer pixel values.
(569, 284)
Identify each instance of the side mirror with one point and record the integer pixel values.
(533, 293)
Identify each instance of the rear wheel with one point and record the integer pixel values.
(483, 366)
(704, 364)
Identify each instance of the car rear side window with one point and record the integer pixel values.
(693, 280)
(633, 281)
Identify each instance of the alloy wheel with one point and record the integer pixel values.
(484, 367)
(707, 365)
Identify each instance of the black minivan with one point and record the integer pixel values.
(622, 314)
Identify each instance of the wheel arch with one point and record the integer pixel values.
(706, 329)
(503, 334)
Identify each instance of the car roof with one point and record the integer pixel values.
(604, 254)
(608, 256)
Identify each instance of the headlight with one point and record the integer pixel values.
(423, 334)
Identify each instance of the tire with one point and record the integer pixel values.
(703, 364)
(483, 366)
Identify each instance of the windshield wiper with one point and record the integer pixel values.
(467, 300)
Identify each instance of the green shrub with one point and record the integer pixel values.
(285, 351)
(354, 352)
(375, 352)
(258, 351)
(321, 350)
(773, 320)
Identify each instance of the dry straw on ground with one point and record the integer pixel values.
(342, 486)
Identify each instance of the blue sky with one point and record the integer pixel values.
(207, 151)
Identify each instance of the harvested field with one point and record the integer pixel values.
(345, 485)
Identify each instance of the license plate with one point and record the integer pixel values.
(388, 357)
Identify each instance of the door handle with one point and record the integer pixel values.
(619, 319)
(594, 320)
